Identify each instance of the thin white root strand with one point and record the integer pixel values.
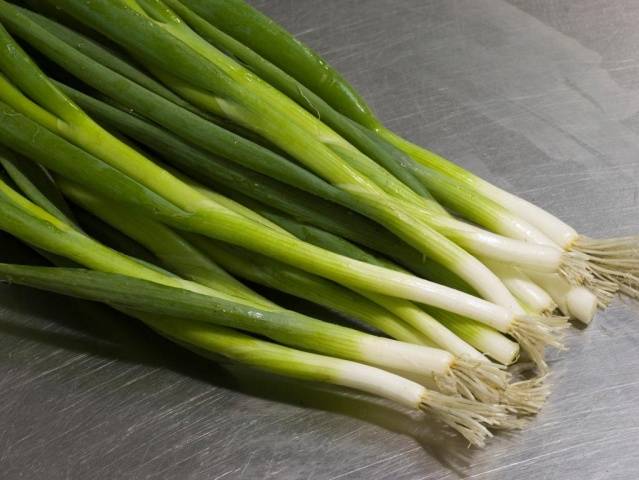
(534, 333)
(613, 266)
(527, 396)
(482, 381)
(574, 267)
(468, 417)
(580, 269)
(605, 286)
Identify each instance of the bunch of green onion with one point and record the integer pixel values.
(227, 151)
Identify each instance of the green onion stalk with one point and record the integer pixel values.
(526, 291)
(474, 376)
(39, 31)
(505, 352)
(170, 325)
(526, 396)
(474, 379)
(275, 274)
(487, 340)
(484, 338)
(307, 98)
(150, 102)
(113, 168)
(522, 287)
(530, 294)
(161, 306)
(288, 85)
(220, 85)
(59, 155)
(245, 185)
(245, 266)
(205, 338)
(570, 264)
(465, 416)
(30, 223)
(69, 158)
(261, 269)
(302, 207)
(574, 301)
(468, 417)
(612, 263)
(184, 258)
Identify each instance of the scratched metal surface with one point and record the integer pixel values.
(540, 96)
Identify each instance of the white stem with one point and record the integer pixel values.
(497, 346)
(487, 284)
(513, 226)
(521, 286)
(581, 304)
(544, 258)
(412, 222)
(574, 301)
(559, 232)
(550, 226)
(349, 272)
(378, 382)
(409, 287)
(405, 357)
(424, 323)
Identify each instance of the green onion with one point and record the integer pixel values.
(196, 161)
(78, 55)
(36, 184)
(404, 310)
(165, 113)
(237, 182)
(480, 243)
(173, 251)
(35, 226)
(181, 256)
(88, 103)
(244, 98)
(77, 164)
(389, 157)
(485, 339)
(612, 263)
(466, 416)
(303, 190)
(205, 338)
(69, 161)
(475, 379)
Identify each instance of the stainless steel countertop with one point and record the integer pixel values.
(539, 96)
